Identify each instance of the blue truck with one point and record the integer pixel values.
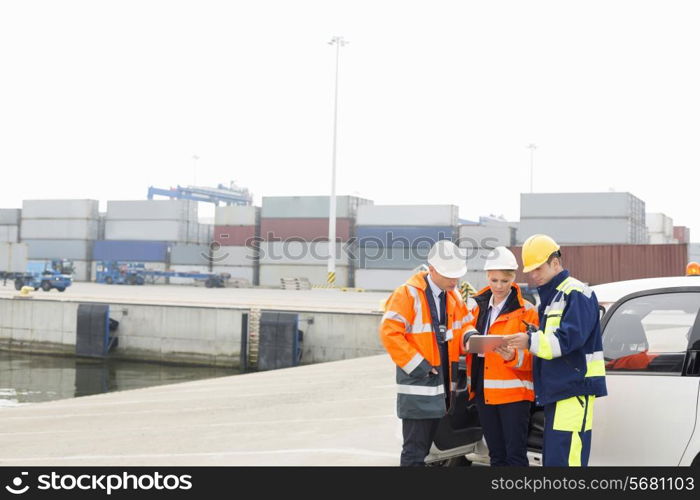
(136, 273)
(46, 275)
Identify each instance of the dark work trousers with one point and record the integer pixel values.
(505, 429)
(418, 434)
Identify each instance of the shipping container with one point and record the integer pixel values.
(409, 236)
(154, 210)
(131, 251)
(589, 231)
(13, 257)
(661, 239)
(381, 279)
(206, 234)
(9, 234)
(694, 252)
(190, 254)
(659, 223)
(391, 257)
(59, 229)
(235, 235)
(306, 229)
(586, 205)
(59, 209)
(271, 274)
(682, 234)
(303, 253)
(596, 264)
(10, 216)
(310, 206)
(236, 215)
(408, 215)
(147, 230)
(60, 249)
(486, 235)
(233, 256)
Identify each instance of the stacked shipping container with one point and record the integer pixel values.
(61, 229)
(477, 240)
(583, 218)
(395, 239)
(660, 228)
(9, 225)
(235, 247)
(294, 234)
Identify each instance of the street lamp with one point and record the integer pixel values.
(339, 42)
(532, 148)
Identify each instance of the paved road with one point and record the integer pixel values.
(339, 413)
(305, 300)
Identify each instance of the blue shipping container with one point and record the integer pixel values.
(134, 251)
(406, 236)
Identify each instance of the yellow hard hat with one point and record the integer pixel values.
(692, 269)
(536, 250)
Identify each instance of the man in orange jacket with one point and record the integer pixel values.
(422, 331)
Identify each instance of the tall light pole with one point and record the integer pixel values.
(194, 169)
(339, 42)
(532, 148)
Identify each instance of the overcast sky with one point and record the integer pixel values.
(438, 100)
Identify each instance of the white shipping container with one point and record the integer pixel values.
(583, 231)
(59, 229)
(9, 234)
(381, 279)
(310, 206)
(407, 215)
(568, 205)
(661, 239)
(659, 223)
(271, 275)
(172, 210)
(235, 215)
(239, 272)
(146, 230)
(206, 234)
(10, 216)
(60, 249)
(481, 236)
(237, 256)
(302, 253)
(13, 257)
(59, 209)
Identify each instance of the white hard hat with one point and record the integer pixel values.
(501, 259)
(448, 260)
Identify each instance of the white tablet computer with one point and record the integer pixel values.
(479, 344)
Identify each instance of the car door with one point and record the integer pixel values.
(649, 414)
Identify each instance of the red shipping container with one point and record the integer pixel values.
(306, 229)
(597, 264)
(235, 235)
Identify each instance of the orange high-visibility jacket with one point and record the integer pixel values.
(505, 381)
(407, 333)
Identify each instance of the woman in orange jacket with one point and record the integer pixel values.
(501, 381)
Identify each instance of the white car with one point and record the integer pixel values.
(651, 416)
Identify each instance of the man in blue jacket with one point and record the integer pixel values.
(568, 368)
